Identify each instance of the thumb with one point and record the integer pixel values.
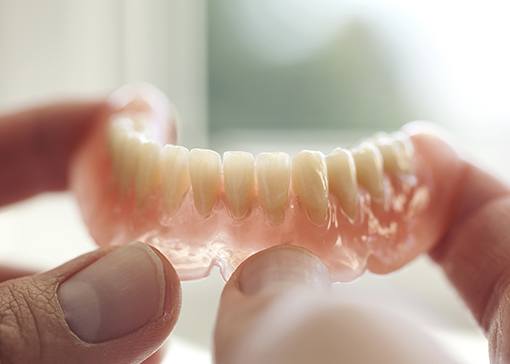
(114, 305)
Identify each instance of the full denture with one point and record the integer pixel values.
(355, 208)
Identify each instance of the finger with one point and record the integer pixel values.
(276, 308)
(114, 305)
(37, 144)
(255, 288)
(7, 272)
(474, 251)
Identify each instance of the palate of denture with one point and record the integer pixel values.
(205, 177)
(134, 183)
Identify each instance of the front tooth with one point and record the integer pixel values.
(309, 181)
(175, 180)
(147, 172)
(369, 169)
(128, 159)
(238, 182)
(205, 175)
(342, 179)
(273, 179)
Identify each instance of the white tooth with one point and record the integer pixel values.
(205, 176)
(369, 169)
(118, 128)
(310, 183)
(175, 179)
(128, 159)
(342, 180)
(396, 153)
(405, 150)
(273, 179)
(140, 122)
(147, 172)
(238, 182)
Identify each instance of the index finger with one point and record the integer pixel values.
(474, 248)
(37, 144)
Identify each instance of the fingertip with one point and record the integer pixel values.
(173, 292)
(279, 268)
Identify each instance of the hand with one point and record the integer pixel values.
(95, 308)
(276, 308)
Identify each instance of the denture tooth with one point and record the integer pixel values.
(128, 159)
(310, 183)
(238, 182)
(117, 132)
(273, 180)
(369, 169)
(205, 176)
(405, 149)
(147, 172)
(395, 152)
(175, 179)
(115, 143)
(342, 180)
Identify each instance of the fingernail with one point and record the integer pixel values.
(283, 267)
(115, 295)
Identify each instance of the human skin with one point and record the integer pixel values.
(36, 146)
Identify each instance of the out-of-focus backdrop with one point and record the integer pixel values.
(268, 75)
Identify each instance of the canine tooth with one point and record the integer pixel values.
(273, 180)
(147, 172)
(175, 180)
(205, 176)
(342, 179)
(369, 169)
(128, 159)
(310, 183)
(238, 182)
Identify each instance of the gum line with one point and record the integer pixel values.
(194, 243)
(381, 237)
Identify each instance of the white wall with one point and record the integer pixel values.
(53, 48)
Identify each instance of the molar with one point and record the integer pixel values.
(342, 180)
(239, 182)
(369, 169)
(395, 152)
(273, 179)
(147, 172)
(175, 178)
(128, 160)
(116, 136)
(205, 176)
(310, 183)
(405, 147)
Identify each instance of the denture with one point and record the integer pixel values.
(373, 206)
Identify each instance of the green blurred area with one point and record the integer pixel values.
(347, 83)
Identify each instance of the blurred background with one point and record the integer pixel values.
(268, 75)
